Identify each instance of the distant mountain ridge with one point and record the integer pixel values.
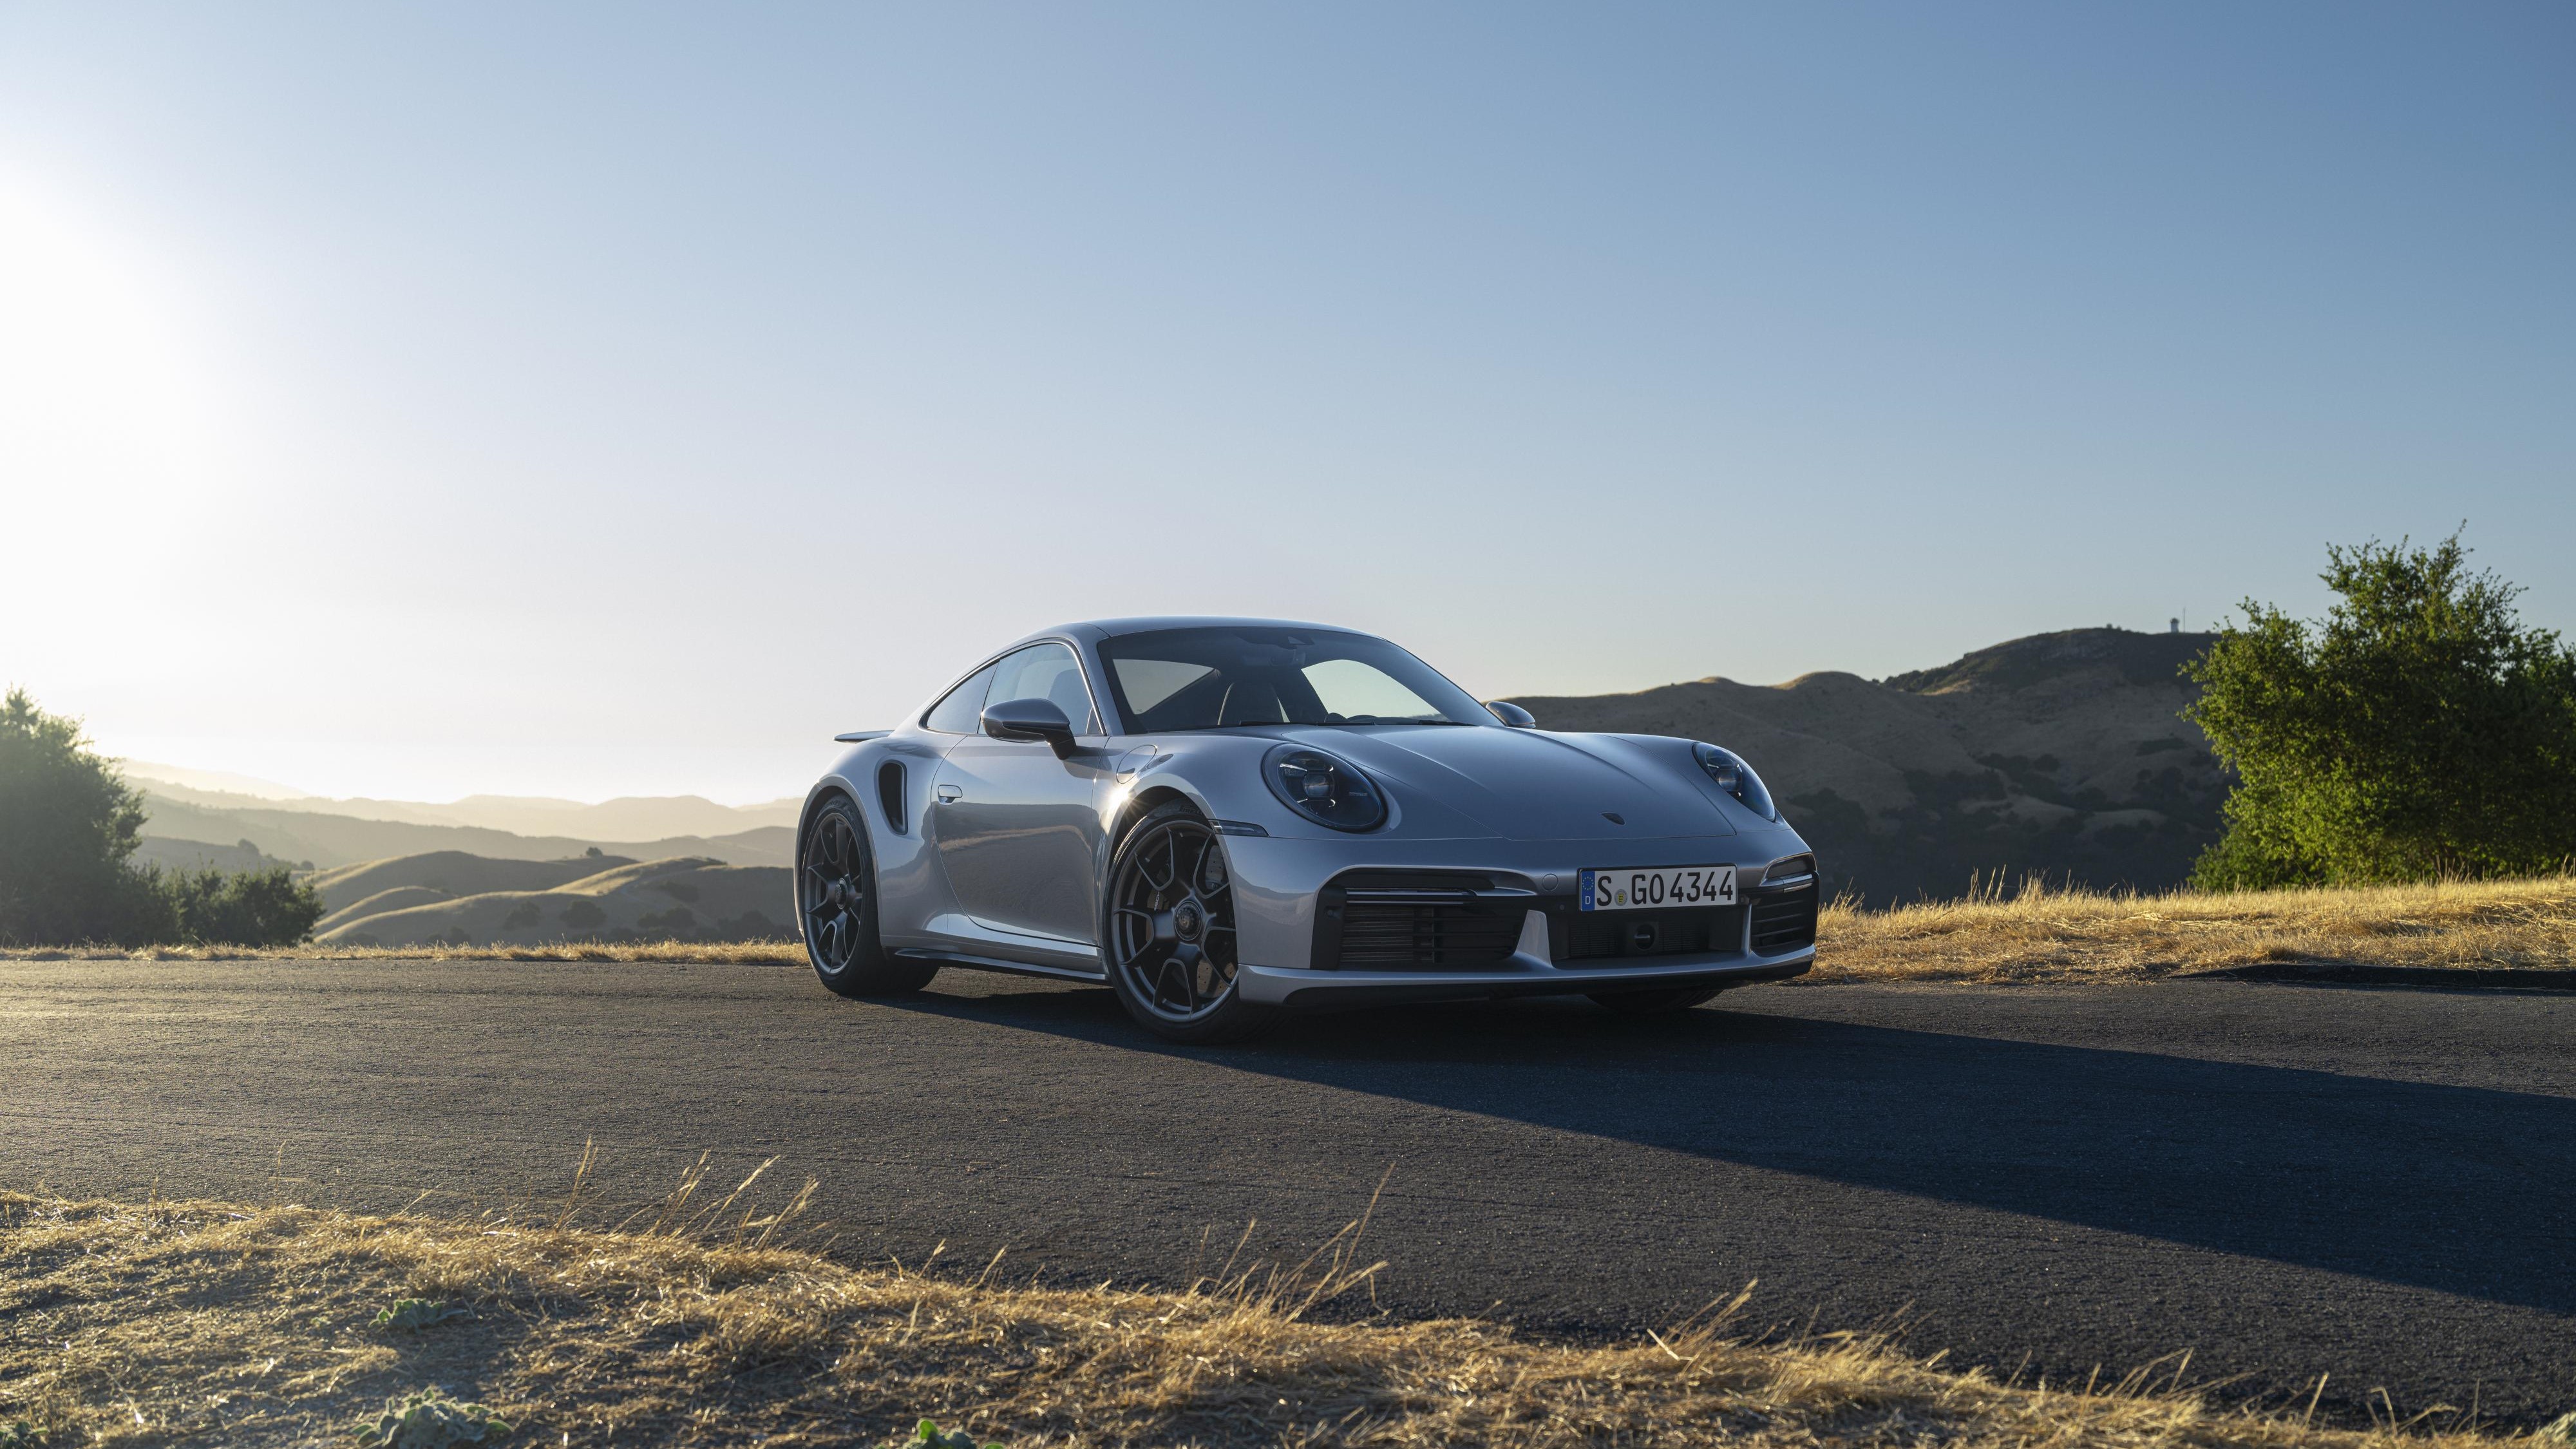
(2061, 753)
(633, 817)
(324, 839)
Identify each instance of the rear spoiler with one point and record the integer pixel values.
(861, 737)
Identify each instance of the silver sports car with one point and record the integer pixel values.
(1224, 819)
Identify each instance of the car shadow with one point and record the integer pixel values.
(2464, 1190)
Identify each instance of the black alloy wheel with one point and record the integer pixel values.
(836, 903)
(1171, 930)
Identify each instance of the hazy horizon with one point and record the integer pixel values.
(596, 402)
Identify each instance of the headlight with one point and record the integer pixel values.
(1736, 778)
(1323, 789)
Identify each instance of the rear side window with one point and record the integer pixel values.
(961, 710)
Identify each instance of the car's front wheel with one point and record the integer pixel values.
(836, 902)
(1169, 928)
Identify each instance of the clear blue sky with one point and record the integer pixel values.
(419, 400)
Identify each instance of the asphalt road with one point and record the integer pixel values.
(2286, 1180)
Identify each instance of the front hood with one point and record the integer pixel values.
(1528, 784)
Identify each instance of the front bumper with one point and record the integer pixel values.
(1279, 883)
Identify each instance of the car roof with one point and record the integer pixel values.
(1095, 630)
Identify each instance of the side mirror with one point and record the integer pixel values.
(1030, 719)
(1512, 714)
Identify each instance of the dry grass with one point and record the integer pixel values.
(2039, 934)
(763, 953)
(191, 1322)
(2035, 934)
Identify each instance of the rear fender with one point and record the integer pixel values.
(889, 781)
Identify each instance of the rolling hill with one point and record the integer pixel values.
(447, 873)
(169, 853)
(2062, 753)
(448, 898)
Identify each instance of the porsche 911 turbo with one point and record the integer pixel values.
(1227, 819)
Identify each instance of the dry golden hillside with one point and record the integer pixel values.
(453, 873)
(681, 899)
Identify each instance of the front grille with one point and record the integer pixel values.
(1610, 935)
(1396, 936)
(1784, 922)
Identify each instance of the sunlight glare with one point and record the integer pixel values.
(107, 433)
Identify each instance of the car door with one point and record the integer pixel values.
(1018, 828)
(913, 895)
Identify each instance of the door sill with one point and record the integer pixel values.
(959, 932)
(994, 963)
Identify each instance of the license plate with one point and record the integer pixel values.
(1680, 885)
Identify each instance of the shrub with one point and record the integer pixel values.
(415, 1314)
(69, 825)
(677, 922)
(247, 908)
(428, 1419)
(2417, 731)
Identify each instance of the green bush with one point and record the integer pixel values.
(2417, 731)
(247, 908)
(69, 825)
(416, 1314)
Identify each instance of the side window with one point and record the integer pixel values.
(1048, 672)
(961, 710)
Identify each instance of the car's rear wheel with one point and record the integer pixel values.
(1169, 931)
(836, 902)
(1648, 1003)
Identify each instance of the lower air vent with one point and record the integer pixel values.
(1395, 937)
(1384, 920)
(1784, 922)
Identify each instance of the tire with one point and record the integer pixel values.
(1656, 1003)
(836, 908)
(1167, 931)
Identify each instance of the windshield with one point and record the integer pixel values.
(1201, 679)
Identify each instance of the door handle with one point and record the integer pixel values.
(949, 794)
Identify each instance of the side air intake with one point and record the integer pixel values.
(890, 794)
